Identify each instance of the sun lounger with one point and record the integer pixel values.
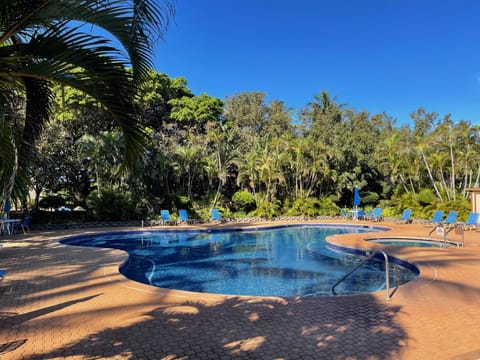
(377, 214)
(216, 217)
(406, 217)
(361, 215)
(472, 221)
(451, 219)
(166, 220)
(183, 217)
(436, 219)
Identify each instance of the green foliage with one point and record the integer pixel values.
(401, 201)
(51, 202)
(111, 205)
(426, 197)
(70, 43)
(304, 207)
(197, 109)
(328, 206)
(370, 199)
(265, 208)
(425, 204)
(243, 201)
(253, 159)
(462, 206)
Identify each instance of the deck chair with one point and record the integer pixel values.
(2, 274)
(166, 220)
(377, 214)
(361, 215)
(406, 217)
(451, 219)
(24, 224)
(370, 214)
(183, 217)
(436, 219)
(472, 221)
(216, 217)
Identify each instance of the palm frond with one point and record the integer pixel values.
(60, 41)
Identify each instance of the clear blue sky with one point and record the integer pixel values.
(388, 56)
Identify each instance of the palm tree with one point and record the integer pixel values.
(189, 161)
(61, 41)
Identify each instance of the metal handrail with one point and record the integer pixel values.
(371, 254)
(462, 227)
(446, 230)
(442, 225)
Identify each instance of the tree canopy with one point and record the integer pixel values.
(203, 152)
(70, 42)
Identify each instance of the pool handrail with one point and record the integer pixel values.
(460, 226)
(446, 230)
(370, 255)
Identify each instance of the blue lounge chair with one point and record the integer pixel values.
(451, 218)
(361, 215)
(183, 217)
(436, 219)
(2, 274)
(24, 224)
(472, 221)
(370, 214)
(165, 216)
(377, 214)
(216, 216)
(406, 217)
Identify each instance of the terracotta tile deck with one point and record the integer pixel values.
(63, 302)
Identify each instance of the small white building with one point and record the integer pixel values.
(475, 199)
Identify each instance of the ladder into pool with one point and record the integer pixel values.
(370, 255)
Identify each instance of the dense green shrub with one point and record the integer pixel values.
(328, 206)
(426, 197)
(110, 205)
(369, 199)
(266, 209)
(304, 207)
(243, 201)
(461, 205)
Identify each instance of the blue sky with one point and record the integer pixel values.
(388, 56)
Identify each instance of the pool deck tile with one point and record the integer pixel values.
(66, 302)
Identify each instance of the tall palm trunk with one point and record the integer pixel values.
(431, 176)
(452, 159)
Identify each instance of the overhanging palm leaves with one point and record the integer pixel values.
(89, 45)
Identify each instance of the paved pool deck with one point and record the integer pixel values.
(64, 302)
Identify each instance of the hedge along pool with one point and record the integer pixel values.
(276, 261)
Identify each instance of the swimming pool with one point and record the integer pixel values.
(416, 242)
(278, 261)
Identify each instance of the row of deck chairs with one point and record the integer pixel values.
(451, 220)
(166, 219)
(372, 215)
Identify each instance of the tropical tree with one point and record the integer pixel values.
(44, 42)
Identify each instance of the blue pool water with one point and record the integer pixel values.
(410, 242)
(281, 261)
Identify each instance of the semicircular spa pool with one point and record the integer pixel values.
(415, 242)
(276, 261)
